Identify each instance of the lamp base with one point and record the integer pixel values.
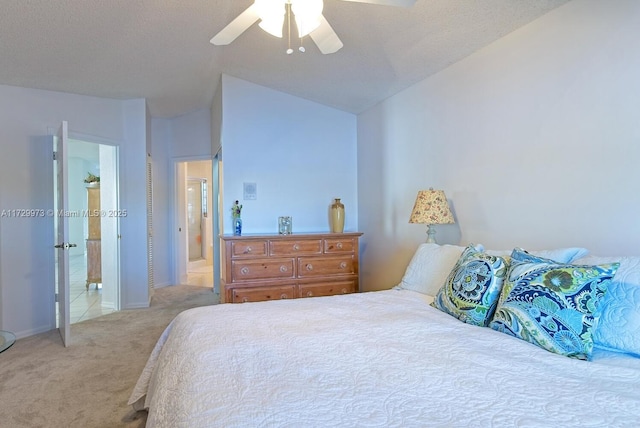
(431, 235)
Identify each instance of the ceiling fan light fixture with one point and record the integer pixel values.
(271, 13)
(308, 17)
(307, 13)
(272, 26)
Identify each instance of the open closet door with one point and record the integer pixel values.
(62, 233)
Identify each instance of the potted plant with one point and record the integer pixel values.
(92, 180)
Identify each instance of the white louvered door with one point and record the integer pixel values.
(150, 225)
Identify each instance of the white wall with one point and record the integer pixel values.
(535, 140)
(300, 154)
(216, 120)
(27, 116)
(191, 135)
(216, 150)
(133, 197)
(162, 200)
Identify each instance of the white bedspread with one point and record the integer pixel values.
(378, 359)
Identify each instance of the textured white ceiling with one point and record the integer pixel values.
(160, 50)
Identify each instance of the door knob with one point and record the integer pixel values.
(65, 245)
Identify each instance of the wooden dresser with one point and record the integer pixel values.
(269, 267)
(94, 244)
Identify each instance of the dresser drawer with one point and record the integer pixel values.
(250, 270)
(248, 248)
(320, 266)
(295, 247)
(339, 245)
(327, 289)
(258, 294)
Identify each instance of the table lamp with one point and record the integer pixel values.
(431, 208)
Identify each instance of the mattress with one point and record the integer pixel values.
(376, 359)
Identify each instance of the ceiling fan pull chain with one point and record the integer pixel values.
(288, 4)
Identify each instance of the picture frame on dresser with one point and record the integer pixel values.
(272, 267)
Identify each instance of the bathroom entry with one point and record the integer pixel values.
(194, 225)
(196, 218)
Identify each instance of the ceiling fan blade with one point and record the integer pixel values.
(236, 27)
(326, 39)
(402, 3)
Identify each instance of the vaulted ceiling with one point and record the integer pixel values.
(160, 50)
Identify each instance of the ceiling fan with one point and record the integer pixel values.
(308, 17)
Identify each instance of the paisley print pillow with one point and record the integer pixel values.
(471, 290)
(552, 305)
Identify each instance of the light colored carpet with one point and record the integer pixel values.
(43, 384)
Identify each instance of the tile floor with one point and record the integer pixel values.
(200, 275)
(85, 304)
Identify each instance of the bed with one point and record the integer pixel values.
(390, 359)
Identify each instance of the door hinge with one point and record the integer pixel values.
(57, 298)
(55, 155)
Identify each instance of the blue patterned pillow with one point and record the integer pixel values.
(473, 287)
(550, 304)
(618, 328)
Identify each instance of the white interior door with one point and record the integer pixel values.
(110, 227)
(62, 234)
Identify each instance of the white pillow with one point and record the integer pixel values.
(431, 264)
(428, 269)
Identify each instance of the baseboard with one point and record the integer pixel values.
(161, 285)
(142, 305)
(33, 331)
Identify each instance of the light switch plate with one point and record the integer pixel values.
(250, 191)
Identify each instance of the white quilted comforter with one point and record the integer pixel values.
(378, 359)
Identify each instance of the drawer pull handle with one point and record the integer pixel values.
(339, 245)
(283, 268)
(296, 247)
(283, 296)
(244, 270)
(344, 291)
(309, 266)
(309, 293)
(343, 265)
(245, 299)
(248, 250)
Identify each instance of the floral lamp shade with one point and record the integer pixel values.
(431, 207)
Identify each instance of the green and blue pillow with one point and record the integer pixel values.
(552, 305)
(471, 290)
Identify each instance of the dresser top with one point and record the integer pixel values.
(307, 235)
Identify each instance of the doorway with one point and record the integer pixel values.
(94, 287)
(194, 223)
(197, 214)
